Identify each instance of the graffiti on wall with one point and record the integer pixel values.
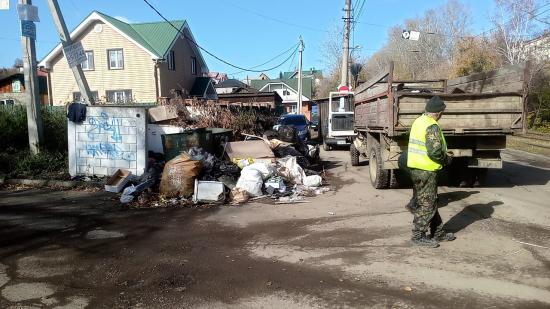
(97, 128)
(105, 124)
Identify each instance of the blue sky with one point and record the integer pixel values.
(243, 32)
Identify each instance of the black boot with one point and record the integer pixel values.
(443, 236)
(420, 239)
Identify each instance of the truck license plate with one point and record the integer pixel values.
(341, 142)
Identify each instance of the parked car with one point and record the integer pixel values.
(300, 122)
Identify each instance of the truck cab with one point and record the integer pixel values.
(336, 119)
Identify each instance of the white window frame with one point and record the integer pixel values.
(171, 61)
(194, 65)
(119, 59)
(293, 108)
(120, 96)
(89, 59)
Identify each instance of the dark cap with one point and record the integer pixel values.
(435, 105)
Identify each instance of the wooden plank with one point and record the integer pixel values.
(371, 82)
(506, 79)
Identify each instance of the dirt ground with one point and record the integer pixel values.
(348, 248)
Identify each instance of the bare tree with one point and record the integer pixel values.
(441, 30)
(513, 23)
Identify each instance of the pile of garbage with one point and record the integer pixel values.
(278, 167)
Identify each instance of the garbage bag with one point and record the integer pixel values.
(289, 169)
(267, 170)
(251, 181)
(178, 177)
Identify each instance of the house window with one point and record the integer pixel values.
(193, 65)
(16, 86)
(88, 65)
(293, 108)
(119, 96)
(116, 59)
(77, 97)
(171, 61)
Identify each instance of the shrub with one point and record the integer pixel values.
(14, 132)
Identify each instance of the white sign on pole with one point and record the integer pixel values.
(28, 12)
(75, 54)
(415, 35)
(4, 4)
(410, 35)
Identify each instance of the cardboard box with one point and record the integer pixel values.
(161, 113)
(117, 182)
(255, 149)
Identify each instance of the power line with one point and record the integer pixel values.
(276, 19)
(268, 61)
(208, 52)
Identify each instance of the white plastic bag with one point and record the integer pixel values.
(289, 169)
(313, 181)
(266, 169)
(250, 181)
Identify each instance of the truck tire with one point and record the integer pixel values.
(379, 177)
(354, 155)
(326, 147)
(394, 179)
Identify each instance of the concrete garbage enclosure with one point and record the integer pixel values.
(110, 138)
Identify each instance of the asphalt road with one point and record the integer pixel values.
(347, 248)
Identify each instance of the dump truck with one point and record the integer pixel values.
(482, 109)
(336, 119)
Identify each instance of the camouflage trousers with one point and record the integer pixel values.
(423, 204)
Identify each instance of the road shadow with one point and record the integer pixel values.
(446, 198)
(513, 174)
(471, 214)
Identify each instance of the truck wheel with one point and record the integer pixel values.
(354, 155)
(326, 147)
(379, 177)
(394, 179)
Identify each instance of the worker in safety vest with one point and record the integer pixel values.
(426, 155)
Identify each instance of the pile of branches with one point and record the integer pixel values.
(206, 114)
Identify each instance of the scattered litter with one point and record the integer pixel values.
(313, 181)
(117, 182)
(239, 196)
(291, 200)
(331, 213)
(408, 289)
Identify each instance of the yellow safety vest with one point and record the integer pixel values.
(417, 152)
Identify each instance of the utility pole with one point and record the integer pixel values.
(66, 42)
(34, 117)
(345, 53)
(300, 50)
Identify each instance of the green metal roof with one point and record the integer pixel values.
(156, 37)
(307, 84)
(316, 73)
